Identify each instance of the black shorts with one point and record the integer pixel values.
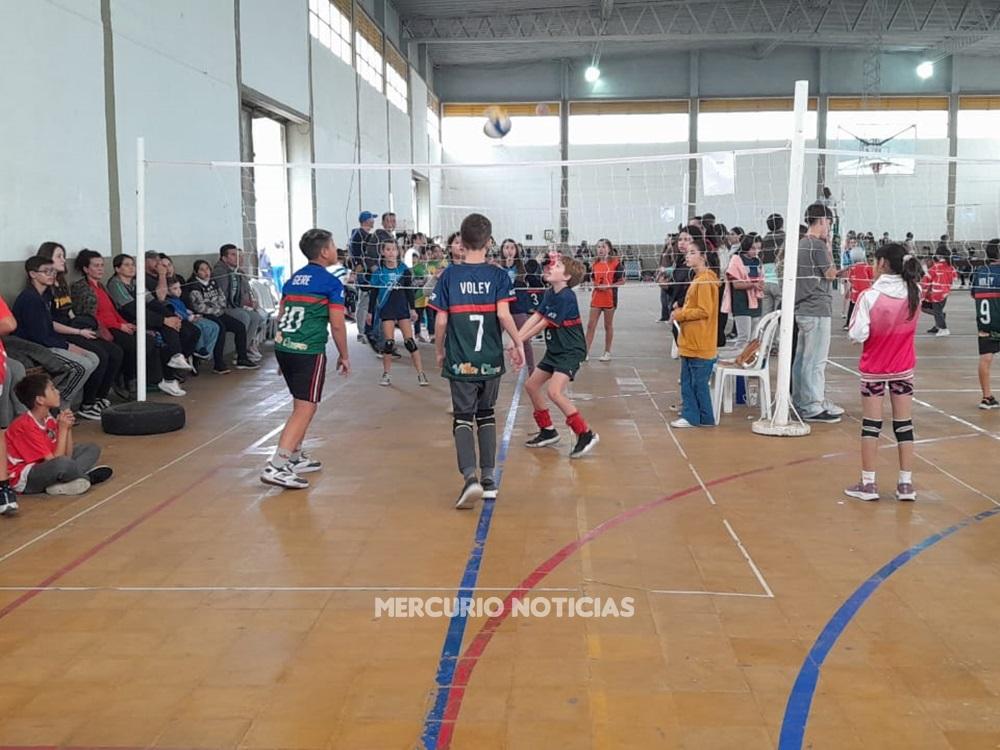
(471, 396)
(304, 374)
(550, 366)
(989, 345)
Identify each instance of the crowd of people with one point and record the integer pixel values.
(69, 351)
(70, 346)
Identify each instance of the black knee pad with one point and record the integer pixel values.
(485, 418)
(387, 346)
(462, 420)
(903, 430)
(410, 344)
(871, 428)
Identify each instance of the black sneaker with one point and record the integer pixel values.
(823, 416)
(489, 489)
(8, 501)
(545, 437)
(100, 474)
(990, 402)
(932, 330)
(246, 364)
(472, 491)
(585, 444)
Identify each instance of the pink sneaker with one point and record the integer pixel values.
(867, 492)
(905, 492)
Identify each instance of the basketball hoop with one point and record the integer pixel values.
(876, 168)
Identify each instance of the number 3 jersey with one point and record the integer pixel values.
(306, 301)
(986, 293)
(469, 293)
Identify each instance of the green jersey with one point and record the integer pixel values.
(306, 300)
(469, 294)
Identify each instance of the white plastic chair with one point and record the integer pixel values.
(727, 372)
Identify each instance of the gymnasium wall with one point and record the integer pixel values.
(174, 78)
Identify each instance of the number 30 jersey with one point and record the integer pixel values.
(306, 301)
(469, 293)
(986, 293)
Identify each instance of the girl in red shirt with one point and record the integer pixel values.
(608, 274)
(860, 277)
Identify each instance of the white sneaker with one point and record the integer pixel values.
(73, 487)
(606, 357)
(832, 408)
(943, 332)
(171, 388)
(179, 362)
(424, 338)
(282, 477)
(681, 423)
(304, 464)
(253, 355)
(385, 379)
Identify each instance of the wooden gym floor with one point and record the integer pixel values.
(185, 605)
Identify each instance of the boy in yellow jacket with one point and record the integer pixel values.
(697, 342)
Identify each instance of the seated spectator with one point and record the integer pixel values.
(8, 498)
(41, 455)
(239, 302)
(75, 322)
(121, 290)
(23, 355)
(159, 272)
(33, 311)
(205, 298)
(210, 340)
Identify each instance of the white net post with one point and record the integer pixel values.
(780, 424)
(140, 285)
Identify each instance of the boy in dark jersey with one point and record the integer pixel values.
(986, 293)
(311, 300)
(565, 349)
(472, 301)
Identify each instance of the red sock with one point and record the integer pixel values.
(542, 419)
(577, 423)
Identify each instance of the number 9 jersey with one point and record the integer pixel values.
(469, 294)
(986, 293)
(306, 301)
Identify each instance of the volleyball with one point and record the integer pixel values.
(497, 123)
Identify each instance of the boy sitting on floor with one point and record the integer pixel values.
(41, 456)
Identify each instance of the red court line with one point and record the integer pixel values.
(100, 546)
(467, 662)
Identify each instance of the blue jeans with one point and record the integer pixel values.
(809, 366)
(209, 335)
(695, 394)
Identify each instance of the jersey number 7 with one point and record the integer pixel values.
(479, 333)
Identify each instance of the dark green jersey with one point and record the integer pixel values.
(565, 343)
(986, 293)
(469, 294)
(306, 300)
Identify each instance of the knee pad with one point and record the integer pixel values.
(460, 421)
(410, 344)
(903, 430)
(486, 418)
(871, 428)
(387, 346)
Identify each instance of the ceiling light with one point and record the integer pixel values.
(926, 69)
(592, 73)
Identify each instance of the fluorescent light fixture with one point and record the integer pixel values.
(926, 69)
(592, 73)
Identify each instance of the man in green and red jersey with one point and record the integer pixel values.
(472, 301)
(311, 301)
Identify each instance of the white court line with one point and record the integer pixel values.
(682, 592)
(933, 408)
(769, 594)
(281, 403)
(257, 589)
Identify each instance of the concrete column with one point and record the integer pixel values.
(564, 153)
(822, 110)
(953, 100)
(693, 94)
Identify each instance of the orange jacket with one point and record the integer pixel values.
(699, 318)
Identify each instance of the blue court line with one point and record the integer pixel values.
(793, 726)
(456, 627)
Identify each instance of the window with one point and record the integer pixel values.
(433, 117)
(396, 72)
(368, 50)
(330, 25)
(594, 123)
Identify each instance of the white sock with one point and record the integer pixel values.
(280, 458)
(867, 477)
(296, 454)
(906, 477)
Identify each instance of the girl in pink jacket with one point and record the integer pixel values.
(885, 322)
